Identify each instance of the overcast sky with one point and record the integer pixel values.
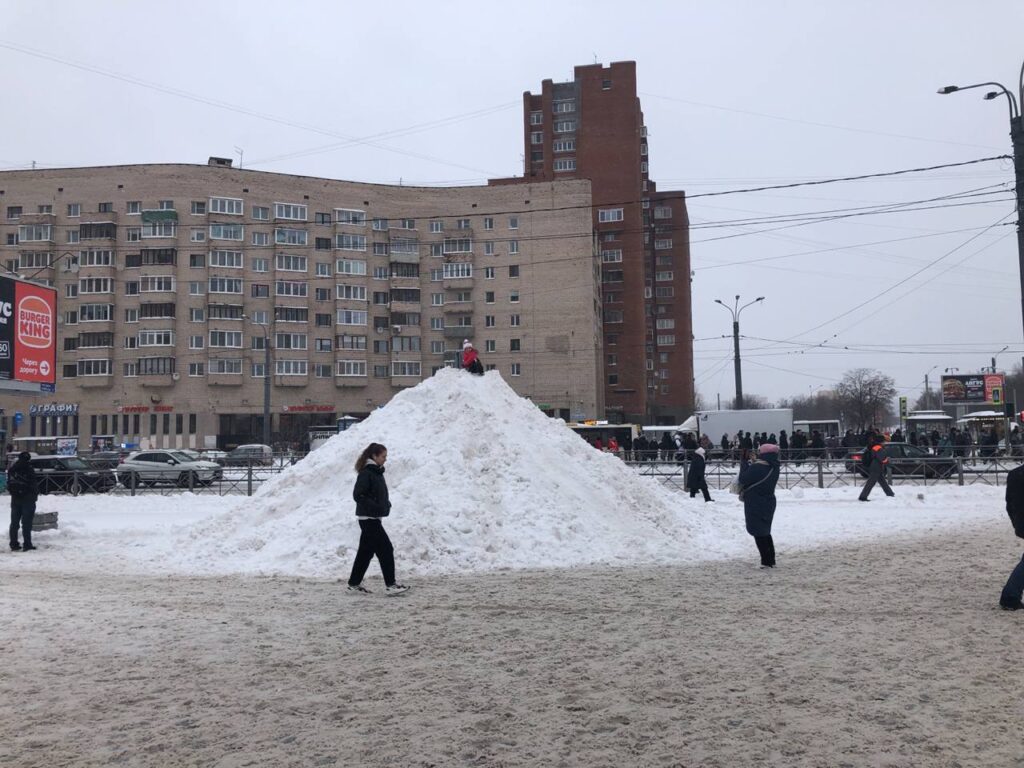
(735, 94)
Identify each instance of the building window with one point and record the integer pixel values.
(564, 145)
(488, 222)
(260, 265)
(260, 290)
(565, 126)
(517, 369)
(513, 270)
(666, 339)
(380, 225)
(74, 210)
(196, 342)
(134, 207)
(197, 260)
(73, 236)
(351, 216)
(261, 238)
(610, 214)
(400, 368)
(198, 236)
(537, 137)
(347, 242)
(352, 317)
(166, 205)
(514, 297)
(662, 244)
(536, 118)
(290, 211)
(513, 247)
(197, 315)
(232, 366)
(323, 219)
(94, 367)
(351, 367)
(322, 243)
(514, 345)
(613, 378)
(514, 321)
(261, 213)
(105, 208)
(663, 276)
(565, 164)
(260, 317)
(612, 256)
(489, 297)
(229, 206)
(357, 293)
(291, 237)
(288, 263)
(227, 259)
(227, 232)
(563, 106)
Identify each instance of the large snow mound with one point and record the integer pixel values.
(479, 479)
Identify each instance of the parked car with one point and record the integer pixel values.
(105, 459)
(217, 456)
(69, 474)
(905, 459)
(174, 467)
(255, 454)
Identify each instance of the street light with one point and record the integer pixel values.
(996, 355)
(1014, 103)
(735, 310)
(266, 379)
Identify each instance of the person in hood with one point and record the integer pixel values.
(470, 359)
(21, 484)
(372, 504)
(695, 479)
(1010, 599)
(757, 482)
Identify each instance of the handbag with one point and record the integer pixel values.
(740, 489)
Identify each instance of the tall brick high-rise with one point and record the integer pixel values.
(593, 128)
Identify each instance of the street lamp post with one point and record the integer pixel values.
(735, 310)
(266, 380)
(1017, 140)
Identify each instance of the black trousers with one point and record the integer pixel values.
(875, 476)
(703, 488)
(766, 546)
(373, 540)
(22, 513)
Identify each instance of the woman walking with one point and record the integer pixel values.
(372, 503)
(757, 481)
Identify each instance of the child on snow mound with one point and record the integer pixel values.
(470, 359)
(372, 504)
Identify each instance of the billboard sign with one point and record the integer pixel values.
(973, 389)
(28, 336)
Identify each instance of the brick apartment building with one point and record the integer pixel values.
(593, 128)
(172, 279)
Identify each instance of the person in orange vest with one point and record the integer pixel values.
(874, 461)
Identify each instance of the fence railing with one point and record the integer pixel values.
(822, 473)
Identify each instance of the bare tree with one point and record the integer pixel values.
(867, 397)
(751, 403)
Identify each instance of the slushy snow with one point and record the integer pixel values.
(479, 478)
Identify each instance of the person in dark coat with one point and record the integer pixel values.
(874, 461)
(21, 484)
(757, 481)
(667, 446)
(817, 445)
(695, 479)
(783, 444)
(1010, 599)
(640, 446)
(372, 503)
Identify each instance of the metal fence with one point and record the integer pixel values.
(819, 473)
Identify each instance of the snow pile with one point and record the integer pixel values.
(479, 479)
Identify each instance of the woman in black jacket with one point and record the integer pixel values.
(695, 479)
(372, 503)
(758, 480)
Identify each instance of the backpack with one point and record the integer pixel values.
(17, 484)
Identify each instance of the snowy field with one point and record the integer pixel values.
(565, 612)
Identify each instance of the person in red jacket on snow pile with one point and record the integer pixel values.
(470, 359)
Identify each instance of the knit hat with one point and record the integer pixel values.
(767, 448)
(467, 344)
(699, 451)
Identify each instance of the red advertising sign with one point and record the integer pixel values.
(28, 336)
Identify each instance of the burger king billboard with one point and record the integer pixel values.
(28, 336)
(973, 389)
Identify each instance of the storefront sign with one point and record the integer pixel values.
(308, 409)
(145, 409)
(974, 389)
(53, 409)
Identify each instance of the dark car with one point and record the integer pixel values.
(105, 459)
(905, 459)
(69, 474)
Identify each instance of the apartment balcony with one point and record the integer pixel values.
(405, 306)
(94, 382)
(458, 331)
(346, 382)
(457, 308)
(404, 257)
(160, 381)
(36, 218)
(401, 281)
(457, 283)
(224, 379)
(403, 382)
(291, 381)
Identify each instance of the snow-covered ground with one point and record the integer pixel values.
(165, 535)
(480, 480)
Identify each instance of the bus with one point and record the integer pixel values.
(592, 430)
(827, 427)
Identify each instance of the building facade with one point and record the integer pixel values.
(174, 282)
(593, 128)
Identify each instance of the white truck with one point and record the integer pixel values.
(714, 424)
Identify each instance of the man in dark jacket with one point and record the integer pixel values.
(21, 484)
(695, 479)
(874, 461)
(1010, 600)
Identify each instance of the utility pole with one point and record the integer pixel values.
(266, 387)
(735, 310)
(1017, 141)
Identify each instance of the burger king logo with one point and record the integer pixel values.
(34, 323)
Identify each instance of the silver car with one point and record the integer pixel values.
(168, 466)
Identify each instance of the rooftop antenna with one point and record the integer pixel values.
(241, 156)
